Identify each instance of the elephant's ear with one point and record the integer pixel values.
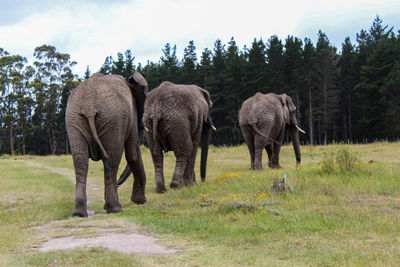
(138, 85)
(287, 105)
(137, 79)
(207, 97)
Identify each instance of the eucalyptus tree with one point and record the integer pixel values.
(11, 86)
(54, 69)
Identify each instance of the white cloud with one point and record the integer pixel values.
(90, 31)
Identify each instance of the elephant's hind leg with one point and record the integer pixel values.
(114, 152)
(249, 139)
(158, 162)
(80, 154)
(182, 146)
(134, 159)
(112, 204)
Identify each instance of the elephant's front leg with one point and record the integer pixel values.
(268, 148)
(189, 175)
(134, 159)
(81, 168)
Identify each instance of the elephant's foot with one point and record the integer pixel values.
(275, 166)
(190, 182)
(175, 184)
(160, 188)
(79, 213)
(138, 198)
(258, 167)
(112, 208)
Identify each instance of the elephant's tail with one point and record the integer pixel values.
(263, 135)
(103, 152)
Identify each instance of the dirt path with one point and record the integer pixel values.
(114, 234)
(94, 191)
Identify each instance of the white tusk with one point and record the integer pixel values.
(301, 130)
(145, 129)
(212, 126)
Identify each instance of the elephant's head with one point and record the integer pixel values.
(289, 115)
(139, 89)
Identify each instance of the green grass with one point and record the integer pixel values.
(344, 211)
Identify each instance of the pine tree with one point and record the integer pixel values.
(170, 64)
(232, 88)
(87, 73)
(255, 70)
(118, 66)
(275, 66)
(129, 67)
(106, 68)
(206, 70)
(189, 65)
(347, 77)
(327, 85)
(379, 63)
(294, 71)
(309, 57)
(217, 92)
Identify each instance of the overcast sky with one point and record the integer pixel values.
(91, 30)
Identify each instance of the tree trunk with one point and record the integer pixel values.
(11, 138)
(325, 125)
(52, 141)
(349, 112)
(311, 118)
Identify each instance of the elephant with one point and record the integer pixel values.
(263, 119)
(177, 117)
(103, 117)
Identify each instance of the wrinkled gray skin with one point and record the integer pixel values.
(102, 119)
(263, 119)
(177, 117)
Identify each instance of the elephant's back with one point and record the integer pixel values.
(99, 93)
(258, 109)
(173, 101)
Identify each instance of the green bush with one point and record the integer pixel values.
(338, 161)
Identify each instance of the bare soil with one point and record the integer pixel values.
(78, 233)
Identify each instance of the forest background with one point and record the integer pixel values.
(349, 95)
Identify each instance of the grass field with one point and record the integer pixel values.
(344, 211)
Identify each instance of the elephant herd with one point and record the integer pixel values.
(107, 114)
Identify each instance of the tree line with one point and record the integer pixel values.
(349, 95)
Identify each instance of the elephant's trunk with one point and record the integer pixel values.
(204, 151)
(294, 135)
